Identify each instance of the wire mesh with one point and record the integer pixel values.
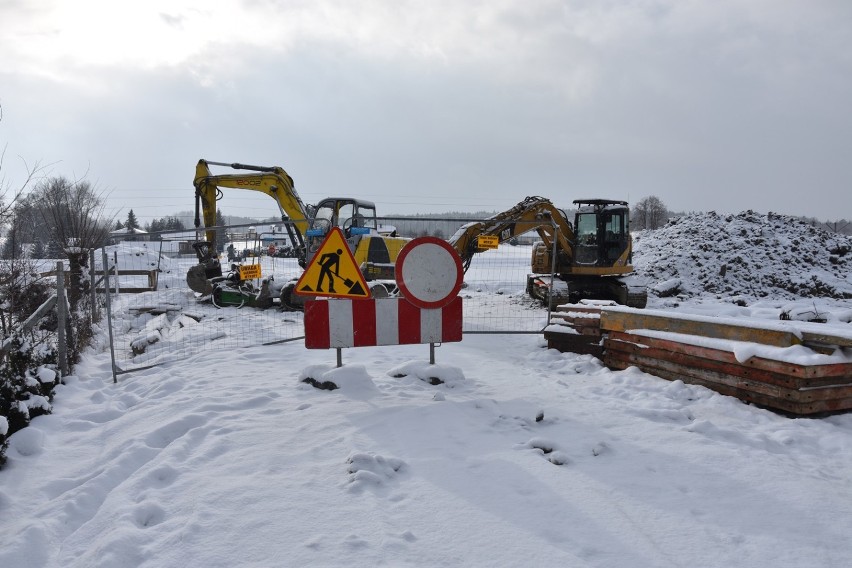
(156, 317)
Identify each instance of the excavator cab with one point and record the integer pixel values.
(353, 216)
(602, 232)
(373, 249)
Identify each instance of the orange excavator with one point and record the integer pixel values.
(589, 259)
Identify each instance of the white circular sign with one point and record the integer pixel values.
(429, 272)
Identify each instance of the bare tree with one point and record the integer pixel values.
(73, 215)
(73, 211)
(649, 213)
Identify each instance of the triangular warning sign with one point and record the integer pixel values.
(333, 271)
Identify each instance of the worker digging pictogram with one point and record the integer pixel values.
(333, 271)
(327, 262)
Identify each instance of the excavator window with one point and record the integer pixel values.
(615, 239)
(344, 214)
(322, 218)
(366, 217)
(587, 229)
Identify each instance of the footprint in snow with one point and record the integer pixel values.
(548, 449)
(368, 470)
(148, 515)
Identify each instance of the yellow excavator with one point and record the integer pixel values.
(590, 259)
(306, 227)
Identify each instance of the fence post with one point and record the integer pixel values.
(552, 270)
(115, 259)
(61, 319)
(160, 253)
(96, 316)
(108, 304)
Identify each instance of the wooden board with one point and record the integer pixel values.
(773, 403)
(153, 278)
(568, 308)
(697, 368)
(612, 320)
(772, 384)
(571, 343)
(819, 374)
(585, 320)
(581, 327)
(824, 338)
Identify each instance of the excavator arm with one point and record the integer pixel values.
(533, 213)
(271, 180)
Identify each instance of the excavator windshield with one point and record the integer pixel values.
(602, 233)
(354, 216)
(587, 238)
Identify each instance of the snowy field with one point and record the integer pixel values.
(522, 456)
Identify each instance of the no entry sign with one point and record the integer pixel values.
(429, 272)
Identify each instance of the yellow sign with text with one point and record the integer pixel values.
(487, 242)
(249, 271)
(333, 271)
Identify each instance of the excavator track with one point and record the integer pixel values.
(560, 291)
(637, 298)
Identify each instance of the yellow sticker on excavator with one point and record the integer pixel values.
(333, 271)
(249, 271)
(487, 242)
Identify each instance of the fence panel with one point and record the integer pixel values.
(155, 317)
(172, 322)
(494, 291)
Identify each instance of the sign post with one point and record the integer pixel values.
(429, 275)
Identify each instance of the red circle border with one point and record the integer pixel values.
(400, 278)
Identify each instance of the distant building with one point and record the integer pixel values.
(126, 234)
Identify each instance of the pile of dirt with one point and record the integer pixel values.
(744, 257)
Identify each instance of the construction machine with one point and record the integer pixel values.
(306, 227)
(590, 259)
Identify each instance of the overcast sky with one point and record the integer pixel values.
(436, 105)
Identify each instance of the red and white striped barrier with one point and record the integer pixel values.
(381, 321)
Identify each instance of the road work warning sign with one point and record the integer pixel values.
(249, 271)
(487, 242)
(333, 271)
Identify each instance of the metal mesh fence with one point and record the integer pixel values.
(155, 317)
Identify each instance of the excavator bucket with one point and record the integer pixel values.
(196, 278)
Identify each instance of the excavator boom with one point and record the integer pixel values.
(532, 214)
(271, 180)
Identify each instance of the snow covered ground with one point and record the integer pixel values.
(522, 456)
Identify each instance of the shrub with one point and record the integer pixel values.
(28, 378)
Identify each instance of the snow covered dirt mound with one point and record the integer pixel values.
(744, 257)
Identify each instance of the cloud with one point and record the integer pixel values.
(443, 104)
